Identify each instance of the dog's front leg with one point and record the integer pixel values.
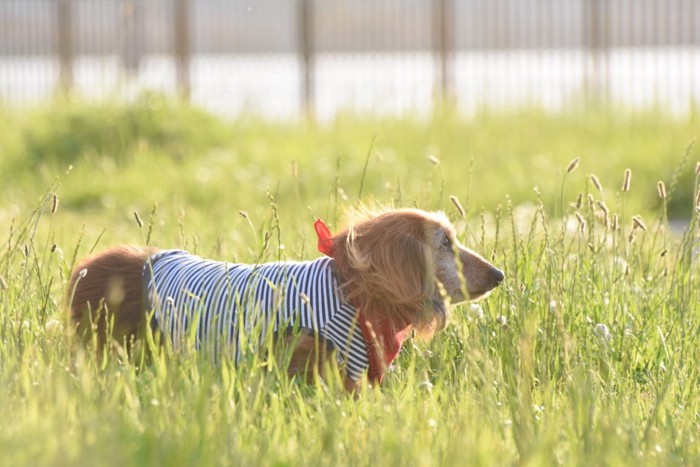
(308, 360)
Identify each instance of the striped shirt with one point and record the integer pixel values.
(228, 306)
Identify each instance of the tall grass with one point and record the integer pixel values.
(585, 355)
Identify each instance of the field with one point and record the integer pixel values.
(587, 353)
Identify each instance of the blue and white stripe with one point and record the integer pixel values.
(230, 306)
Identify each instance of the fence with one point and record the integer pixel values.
(283, 57)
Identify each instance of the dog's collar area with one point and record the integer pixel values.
(383, 345)
(382, 342)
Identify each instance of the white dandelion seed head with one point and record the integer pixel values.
(53, 327)
(476, 311)
(425, 386)
(602, 331)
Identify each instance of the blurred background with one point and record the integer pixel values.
(285, 58)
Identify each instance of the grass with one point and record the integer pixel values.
(585, 355)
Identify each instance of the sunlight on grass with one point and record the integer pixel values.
(586, 354)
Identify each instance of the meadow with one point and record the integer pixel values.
(586, 355)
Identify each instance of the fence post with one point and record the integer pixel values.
(132, 14)
(64, 19)
(306, 38)
(182, 47)
(596, 40)
(442, 44)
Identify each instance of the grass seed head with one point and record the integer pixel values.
(572, 165)
(603, 207)
(661, 188)
(596, 182)
(591, 201)
(638, 223)
(458, 205)
(615, 222)
(138, 219)
(54, 204)
(434, 160)
(628, 179)
(579, 201)
(697, 168)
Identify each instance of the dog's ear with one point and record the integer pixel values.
(402, 268)
(389, 269)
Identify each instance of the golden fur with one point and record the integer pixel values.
(400, 265)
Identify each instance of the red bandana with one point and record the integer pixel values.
(382, 344)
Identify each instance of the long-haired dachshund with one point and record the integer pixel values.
(388, 272)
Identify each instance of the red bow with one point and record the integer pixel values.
(325, 238)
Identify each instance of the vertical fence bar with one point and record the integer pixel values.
(305, 32)
(134, 38)
(442, 39)
(596, 41)
(693, 48)
(64, 26)
(181, 42)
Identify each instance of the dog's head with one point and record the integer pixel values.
(405, 263)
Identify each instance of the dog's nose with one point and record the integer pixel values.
(497, 276)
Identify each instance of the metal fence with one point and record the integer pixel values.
(285, 57)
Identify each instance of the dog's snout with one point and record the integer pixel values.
(497, 275)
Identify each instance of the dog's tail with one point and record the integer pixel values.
(105, 295)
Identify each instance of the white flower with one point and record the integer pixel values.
(426, 386)
(476, 311)
(53, 327)
(603, 332)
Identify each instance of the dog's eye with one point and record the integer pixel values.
(446, 243)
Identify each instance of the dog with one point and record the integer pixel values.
(387, 273)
